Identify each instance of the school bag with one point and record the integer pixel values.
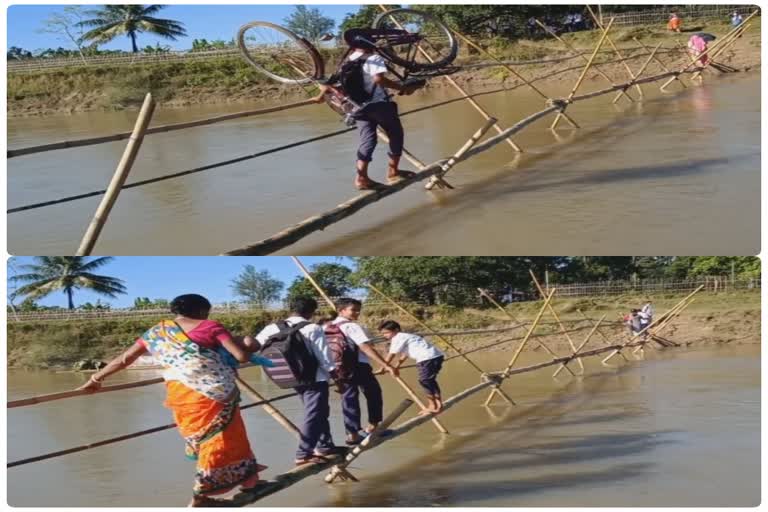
(343, 352)
(293, 363)
(350, 76)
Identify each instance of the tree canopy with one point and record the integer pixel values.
(309, 22)
(257, 287)
(334, 278)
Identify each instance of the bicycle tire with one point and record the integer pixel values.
(317, 59)
(409, 64)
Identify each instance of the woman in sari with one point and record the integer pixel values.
(201, 392)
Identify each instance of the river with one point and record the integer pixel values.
(681, 428)
(677, 173)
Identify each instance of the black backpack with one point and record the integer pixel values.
(350, 76)
(289, 351)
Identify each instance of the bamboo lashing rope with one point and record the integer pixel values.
(441, 338)
(583, 57)
(584, 72)
(575, 354)
(456, 86)
(519, 350)
(509, 315)
(118, 178)
(399, 380)
(632, 76)
(554, 314)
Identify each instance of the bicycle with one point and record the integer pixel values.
(416, 42)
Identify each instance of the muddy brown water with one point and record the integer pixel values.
(675, 174)
(681, 428)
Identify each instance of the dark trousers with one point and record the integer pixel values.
(428, 371)
(384, 114)
(350, 401)
(315, 428)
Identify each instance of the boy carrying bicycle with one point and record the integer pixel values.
(378, 109)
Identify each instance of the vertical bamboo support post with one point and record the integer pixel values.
(660, 62)
(605, 338)
(459, 88)
(438, 178)
(400, 381)
(563, 330)
(438, 336)
(511, 70)
(340, 469)
(118, 178)
(541, 343)
(642, 68)
(277, 415)
(655, 322)
(564, 366)
(570, 47)
(519, 350)
(616, 51)
(584, 71)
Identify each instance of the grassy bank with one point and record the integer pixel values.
(712, 318)
(231, 80)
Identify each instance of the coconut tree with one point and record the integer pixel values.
(115, 20)
(50, 274)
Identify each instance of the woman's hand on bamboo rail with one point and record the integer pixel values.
(122, 361)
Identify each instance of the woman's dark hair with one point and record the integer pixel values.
(346, 302)
(191, 305)
(389, 325)
(304, 306)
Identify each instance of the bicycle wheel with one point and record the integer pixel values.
(279, 53)
(436, 39)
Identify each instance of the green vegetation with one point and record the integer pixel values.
(257, 287)
(65, 274)
(112, 21)
(309, 22)
(62, 343)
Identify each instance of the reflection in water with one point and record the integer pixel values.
(712, 129)
(633, 436)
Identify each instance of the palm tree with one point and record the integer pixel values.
(68, 273)
(116, 20)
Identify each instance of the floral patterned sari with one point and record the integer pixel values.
(203, 395)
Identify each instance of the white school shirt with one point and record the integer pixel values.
(316, 337)
(355, 333)
(374, 65)
(414, 346)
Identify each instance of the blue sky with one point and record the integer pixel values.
(164, 277)
(201, 22)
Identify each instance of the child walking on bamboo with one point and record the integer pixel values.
(429, 359)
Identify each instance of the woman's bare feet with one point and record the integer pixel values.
(398, 174)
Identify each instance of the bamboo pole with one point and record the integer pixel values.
(564, 366)
(437, 179)
(660, 62)
(519, 350)
(605, 338)
(459, 88)
(511, 70)
(541, 343)
(642, 69)
(570, 47)
(69, 394)
(616, 50)
(438, 336)
(584, 72)
(118, 179)
(368, 442)
(672, 310)
(712, 51)
(554, 314)
(399, 380)
(272, 411)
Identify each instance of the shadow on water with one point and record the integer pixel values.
(524, 452)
